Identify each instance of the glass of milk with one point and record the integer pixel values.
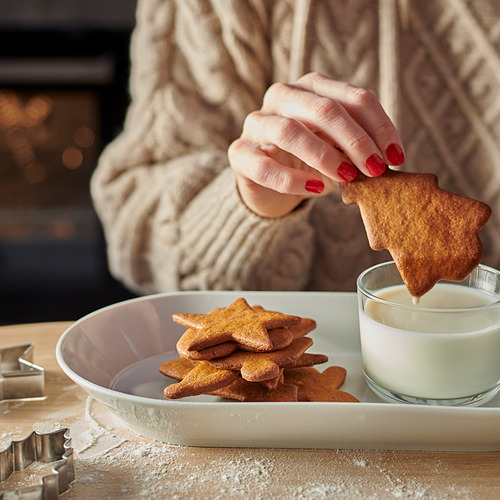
(445, 350)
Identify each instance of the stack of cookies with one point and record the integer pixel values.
(250, 354)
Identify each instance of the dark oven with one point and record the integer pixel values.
(63, 96)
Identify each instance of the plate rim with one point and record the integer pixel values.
(158, 296)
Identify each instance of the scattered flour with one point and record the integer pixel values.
(106, 452)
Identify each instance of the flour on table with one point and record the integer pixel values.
(106, 452)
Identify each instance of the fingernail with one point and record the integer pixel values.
(375, 165)
(347, 172)
(395, 154)
(314, 186)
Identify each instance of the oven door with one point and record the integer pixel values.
(63, 96)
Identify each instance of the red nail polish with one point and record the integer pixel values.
(395, 154)
(375, 165)
(314, 186)
(346, 171)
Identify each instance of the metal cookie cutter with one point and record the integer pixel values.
(20, 378)
(51, 447)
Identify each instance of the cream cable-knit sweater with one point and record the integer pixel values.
(165, 193)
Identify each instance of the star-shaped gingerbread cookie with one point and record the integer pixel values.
(431, 233)
(280, 338)
(195, 378)
(237, 322)
(313, 385)
(256, 367)
(250, 392)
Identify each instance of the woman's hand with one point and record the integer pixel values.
(308, 137)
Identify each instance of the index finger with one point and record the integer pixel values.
(365, 109)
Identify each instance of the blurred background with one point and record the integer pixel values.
(63, 95)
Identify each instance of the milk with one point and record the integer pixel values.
(446, 347)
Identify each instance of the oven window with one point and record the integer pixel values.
(63, 96)
(48, 148)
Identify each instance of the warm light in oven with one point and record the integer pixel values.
(35, 172)
(36, 110)
(18, 123)
(84, 137)
(49, 142)
(72, 158)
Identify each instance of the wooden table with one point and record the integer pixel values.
(113, 462)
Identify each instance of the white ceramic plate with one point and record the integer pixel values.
(114, 354)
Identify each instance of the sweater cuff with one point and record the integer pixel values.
(224, 245)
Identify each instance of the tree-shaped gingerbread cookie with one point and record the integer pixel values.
(431, 233)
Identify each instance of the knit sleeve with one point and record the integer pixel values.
(163, 188)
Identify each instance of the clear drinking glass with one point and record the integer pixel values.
(445, 350)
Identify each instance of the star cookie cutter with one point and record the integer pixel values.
(20, 378)
(43, 447)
